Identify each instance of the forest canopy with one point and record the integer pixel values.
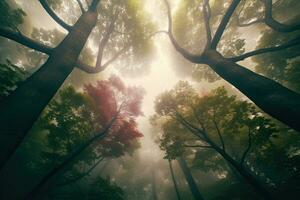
(154, 99)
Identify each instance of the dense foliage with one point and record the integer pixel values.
(200, 126)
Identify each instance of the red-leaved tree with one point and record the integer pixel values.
(117, 108)
(110, 97)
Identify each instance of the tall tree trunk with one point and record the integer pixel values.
(153, 184)
(259, 188)
(276, 100)
(20, 110)
(174, 180)
(189, 178)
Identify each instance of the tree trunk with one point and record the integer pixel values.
(276, 100)
(259, 188)
(190, 180)
(20, 110)
(153, 184)
(174, 180)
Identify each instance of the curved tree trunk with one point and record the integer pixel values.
(259, 188)
(174, 180)
(276, 100)
(190, 180)
(20, 110)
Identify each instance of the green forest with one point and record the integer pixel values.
(149, 99)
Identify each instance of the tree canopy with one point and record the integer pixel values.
(207, 127)
(153, 99)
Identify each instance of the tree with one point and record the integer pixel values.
(45, 82)
(10, 17)
(10, 76)
(280, 66)
(174, 179)
(75, 134)
(216, 121)
(107, 190)
(68, 121)
(99, 188)
(116, 107)
(273, 98)
(153, 185)
(189, 178)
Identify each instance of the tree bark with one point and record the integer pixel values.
(276, 100)
(174, 180)
(20, 110)
(189, 178)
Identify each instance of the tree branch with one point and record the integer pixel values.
(189, 56)
(54, 15)
(195, 146)
(22, 39)
(69, 159)
(72, 180)
(207, 15)
(221, 28)
(94, 5)
(270, 21)
(275, 25)
(105, 39)
(294, 54)
(92, 70)
(196, 131)
(81, 6)
(197, 118)
(289, 44)
(219, 133)
(114, 57)
(99, 67)
(189, 125)
(248, 148)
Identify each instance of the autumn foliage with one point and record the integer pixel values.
(110, 97)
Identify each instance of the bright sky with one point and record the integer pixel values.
(160, 78)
